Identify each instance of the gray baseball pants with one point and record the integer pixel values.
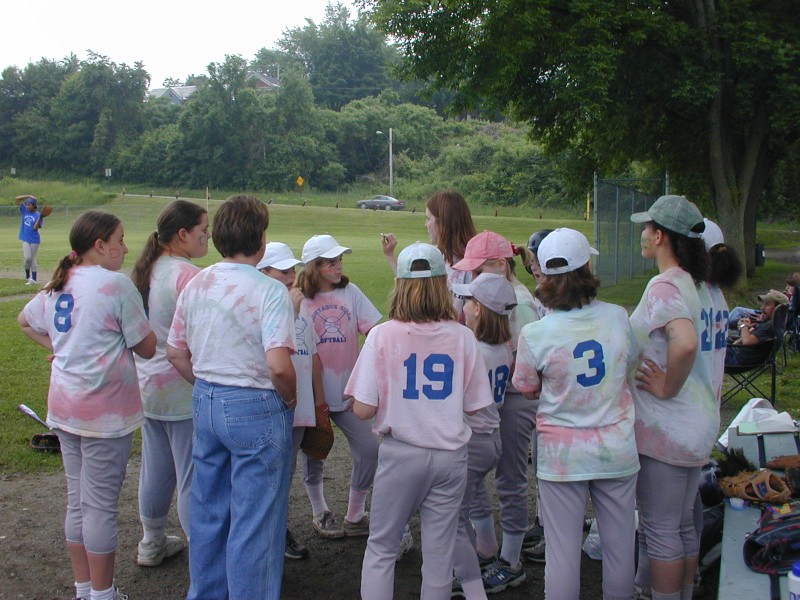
(95, 469)
(166, 465)
(411, 478)
(563, 505)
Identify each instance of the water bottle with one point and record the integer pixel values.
(794, 582)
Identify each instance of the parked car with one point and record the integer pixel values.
(384, 202)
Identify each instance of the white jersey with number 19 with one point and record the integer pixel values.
(422, 377)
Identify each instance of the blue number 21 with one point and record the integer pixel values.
(437, 368)
(595, 362)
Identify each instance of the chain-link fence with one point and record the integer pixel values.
(616, 237)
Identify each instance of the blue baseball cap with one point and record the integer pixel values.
(420, 251)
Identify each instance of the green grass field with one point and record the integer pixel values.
(25, 371)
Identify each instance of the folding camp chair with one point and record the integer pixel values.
(765, 360)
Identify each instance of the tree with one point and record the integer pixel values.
(274, 63)
(25, 99)
(707, 89)
(97, 107)
(344, 59)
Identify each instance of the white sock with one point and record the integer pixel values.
(660, 596)
(486, 538)
(511, 548)
(356, 505)
(474, 589)
(316, 494)
(687, 591)
(154, 529)
(103, 594)
(83, 590)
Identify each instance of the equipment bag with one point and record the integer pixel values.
(775, 546)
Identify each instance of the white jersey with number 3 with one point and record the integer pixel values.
(585, 420)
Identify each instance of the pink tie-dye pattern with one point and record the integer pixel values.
(584, 432)
(93, 386)
(681, 430)
(110, 289)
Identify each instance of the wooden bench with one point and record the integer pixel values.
(737, 580)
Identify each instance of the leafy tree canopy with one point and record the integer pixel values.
(706, 89)
(344, 59)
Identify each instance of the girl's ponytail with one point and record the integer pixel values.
(144, 267)
(59, 279)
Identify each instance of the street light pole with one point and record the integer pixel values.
(391, 160)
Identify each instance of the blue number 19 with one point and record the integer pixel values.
(437, 368)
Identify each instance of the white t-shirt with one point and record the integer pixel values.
(166, 395)
(581, 359)
(422, 377)
(306, 340)
(338, 317)
(228, 317)
(92, 323)
(523, 313)
(497, 359)
(456, 277)
(715, 316)
(680, 430)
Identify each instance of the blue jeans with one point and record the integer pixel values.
(240, 494)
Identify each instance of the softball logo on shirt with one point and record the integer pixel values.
(334, 319)
(300, 327)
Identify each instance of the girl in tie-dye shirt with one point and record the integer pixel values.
(163, 269)
(340, 312)
(677, 413)
(92, 319)
(576, 360)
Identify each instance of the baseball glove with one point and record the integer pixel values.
(759, 486)
(318, 441)
(784, 462)
(792, 479)
(47, 210)
(46, 442)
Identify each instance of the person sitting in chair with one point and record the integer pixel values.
(746, 350)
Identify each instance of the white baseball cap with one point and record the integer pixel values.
(492, 290)
(712, 234)
(322, 246)
(278, 256)
(567, 244)
(420, 251)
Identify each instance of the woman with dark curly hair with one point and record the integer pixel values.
(677, 413)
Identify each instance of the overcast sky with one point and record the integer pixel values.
(172, 39)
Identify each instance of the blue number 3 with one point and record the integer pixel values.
(63, 317)
(437, 368)
(595, 362)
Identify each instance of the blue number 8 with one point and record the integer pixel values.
(63, 317)
(595, 362)
(499, 382)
